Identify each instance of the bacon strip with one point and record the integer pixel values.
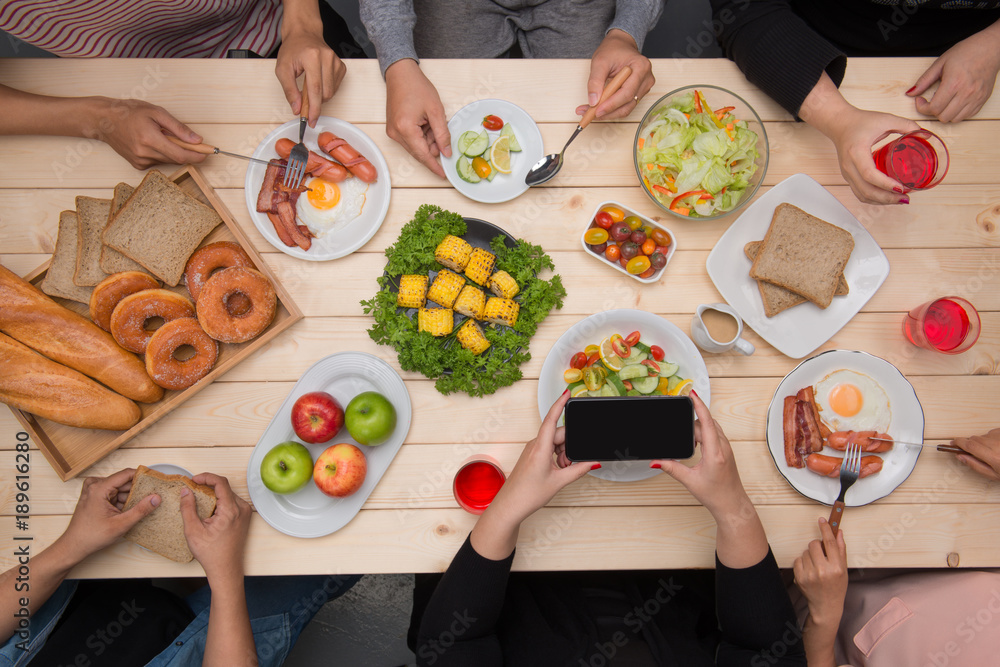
(265, 198)
(806, 394)
(286, 214)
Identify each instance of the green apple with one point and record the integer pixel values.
(370, 418)
(286, 468)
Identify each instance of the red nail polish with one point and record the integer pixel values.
(911, 90)
(565, 392)
(694, 393)
(904, 200)
(595, 466)
(899, 190)
(656, 465)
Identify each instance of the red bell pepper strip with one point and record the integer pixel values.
(701, 194)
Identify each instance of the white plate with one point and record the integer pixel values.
(677, 347)
(356, 233)
(907, 424)
(309, 512)
(503, 187)
(171, 469)
(797, 331)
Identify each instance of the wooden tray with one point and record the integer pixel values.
(72, 450)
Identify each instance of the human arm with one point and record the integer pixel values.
(966, 74)
(389, 24)
(821, 574)
(218, 543)
(982, 453)
(414, 115)
(304, 51)
(97, 522)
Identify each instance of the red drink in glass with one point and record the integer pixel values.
(477, 483)
(950, 325)
(918, 160)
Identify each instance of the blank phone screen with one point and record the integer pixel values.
(629, 428)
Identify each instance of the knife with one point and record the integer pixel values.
(941, 448)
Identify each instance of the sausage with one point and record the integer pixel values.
(344, 153)
(829, 466)
(841, 439)
(316, 165)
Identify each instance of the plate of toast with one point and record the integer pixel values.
(797, 266)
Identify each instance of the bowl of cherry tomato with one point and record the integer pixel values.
(629, 242)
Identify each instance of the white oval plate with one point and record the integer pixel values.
(356, 233)
(309, 512)
(677, 347)
(504, 187)
(907, 424)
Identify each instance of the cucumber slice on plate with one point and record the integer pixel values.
(613, 379)
(465, 171)
(465, 141)
(646, 385)
(478, 145)
(634, 357)
(633, 371)
(609, 390)
(633, 392)
(508, 131)
(493, 172)
(668, 368)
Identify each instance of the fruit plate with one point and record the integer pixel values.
(354, 234)
(906, 424)
(503, 187)
(308, 512)
(677, 347)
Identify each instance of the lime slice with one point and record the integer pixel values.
(508, 131)
(500, 155)
(465, 171)
(610, 359)
(478, 145)
(466, 140)
(683, 389)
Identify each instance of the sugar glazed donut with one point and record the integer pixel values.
(113, 289)
(206, 260)
(166, 369)
(227, 324)
(128, 320)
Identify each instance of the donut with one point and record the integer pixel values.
(113, 289)
(167, 370)
(214, 256)
(128, 320)
(228, 325)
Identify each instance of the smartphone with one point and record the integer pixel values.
(629, 428)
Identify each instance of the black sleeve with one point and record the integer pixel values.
(776, 50)
(458, 626)
(756, 617)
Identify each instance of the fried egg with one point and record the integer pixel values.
(328, 206)
(852, 401)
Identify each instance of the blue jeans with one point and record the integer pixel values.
(280, 607)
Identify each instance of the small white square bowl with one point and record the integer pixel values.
(646, 221)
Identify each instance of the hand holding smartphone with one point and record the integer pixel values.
(629, 428)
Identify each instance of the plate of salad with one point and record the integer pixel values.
(458, 304)
(599, 348)
(701, 152)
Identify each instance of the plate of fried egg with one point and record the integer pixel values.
(340, 216)
(856, 396)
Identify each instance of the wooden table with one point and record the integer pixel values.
(945, 242)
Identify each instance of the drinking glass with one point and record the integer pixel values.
(477, 482)
(918, 160)
(950, 325)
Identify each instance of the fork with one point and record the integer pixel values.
(850, 470)
(299, 156)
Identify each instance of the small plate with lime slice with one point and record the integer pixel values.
(488, 165)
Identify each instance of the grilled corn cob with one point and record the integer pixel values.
(503, 285)
(480, 266)
(435, 321)
(412, 292)
(453, 252)
(471, 337)
(445, 288)
(471, 302)
(501, 311)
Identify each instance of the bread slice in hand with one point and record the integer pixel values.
(113, 261)
(59, 276)
(160, 226)
(163, 530)
(92, 215)
(778, 299)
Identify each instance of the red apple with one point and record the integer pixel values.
(340, 470)
(317, 417)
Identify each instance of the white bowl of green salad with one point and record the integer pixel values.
(701, 152)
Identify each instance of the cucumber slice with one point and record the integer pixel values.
(634, 357)
(613, 379)
(673, 381)
(508, 131)
(478, 145)
(609, 390)
(633, 371)
(633, 392)
(465, 171)
(594, 393)
(643, 347)
(493, 171)
(466, 140)
(579, 389)
(668, 368)
(646, 385)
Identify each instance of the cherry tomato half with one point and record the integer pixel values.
(603, 220)
(633, 222)
(592, 349)
(648, 247)
(620, 347)
(661, 237)
(579, 360)
(492, 122)
(481, 166)
(633, 338)
(616, 213)
(657, 352)
(628, 385)
(613, 253)
(637, 265)
(595, 235)
(573, 375)
(654, 368)
(593, 359)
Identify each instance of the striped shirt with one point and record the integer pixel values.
(144, 28)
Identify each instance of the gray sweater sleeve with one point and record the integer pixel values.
(636, 17)
(390, 27)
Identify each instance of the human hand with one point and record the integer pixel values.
(854, 136)
(305, 52)
(98, 520)
(966, 72)
(616, 51)
(134, 129)
(821, 574)
(983, 453)
(218, 541)
(414, 115)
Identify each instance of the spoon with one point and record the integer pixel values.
(550, 165)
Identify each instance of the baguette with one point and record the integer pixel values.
(162, 531)
(35, 384)
(34, 319)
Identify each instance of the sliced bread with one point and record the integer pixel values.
(778, 299)
(113, 261)
(803, 254)
(92, 215)
(59, 277)
(163, 530)
(160, 226)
